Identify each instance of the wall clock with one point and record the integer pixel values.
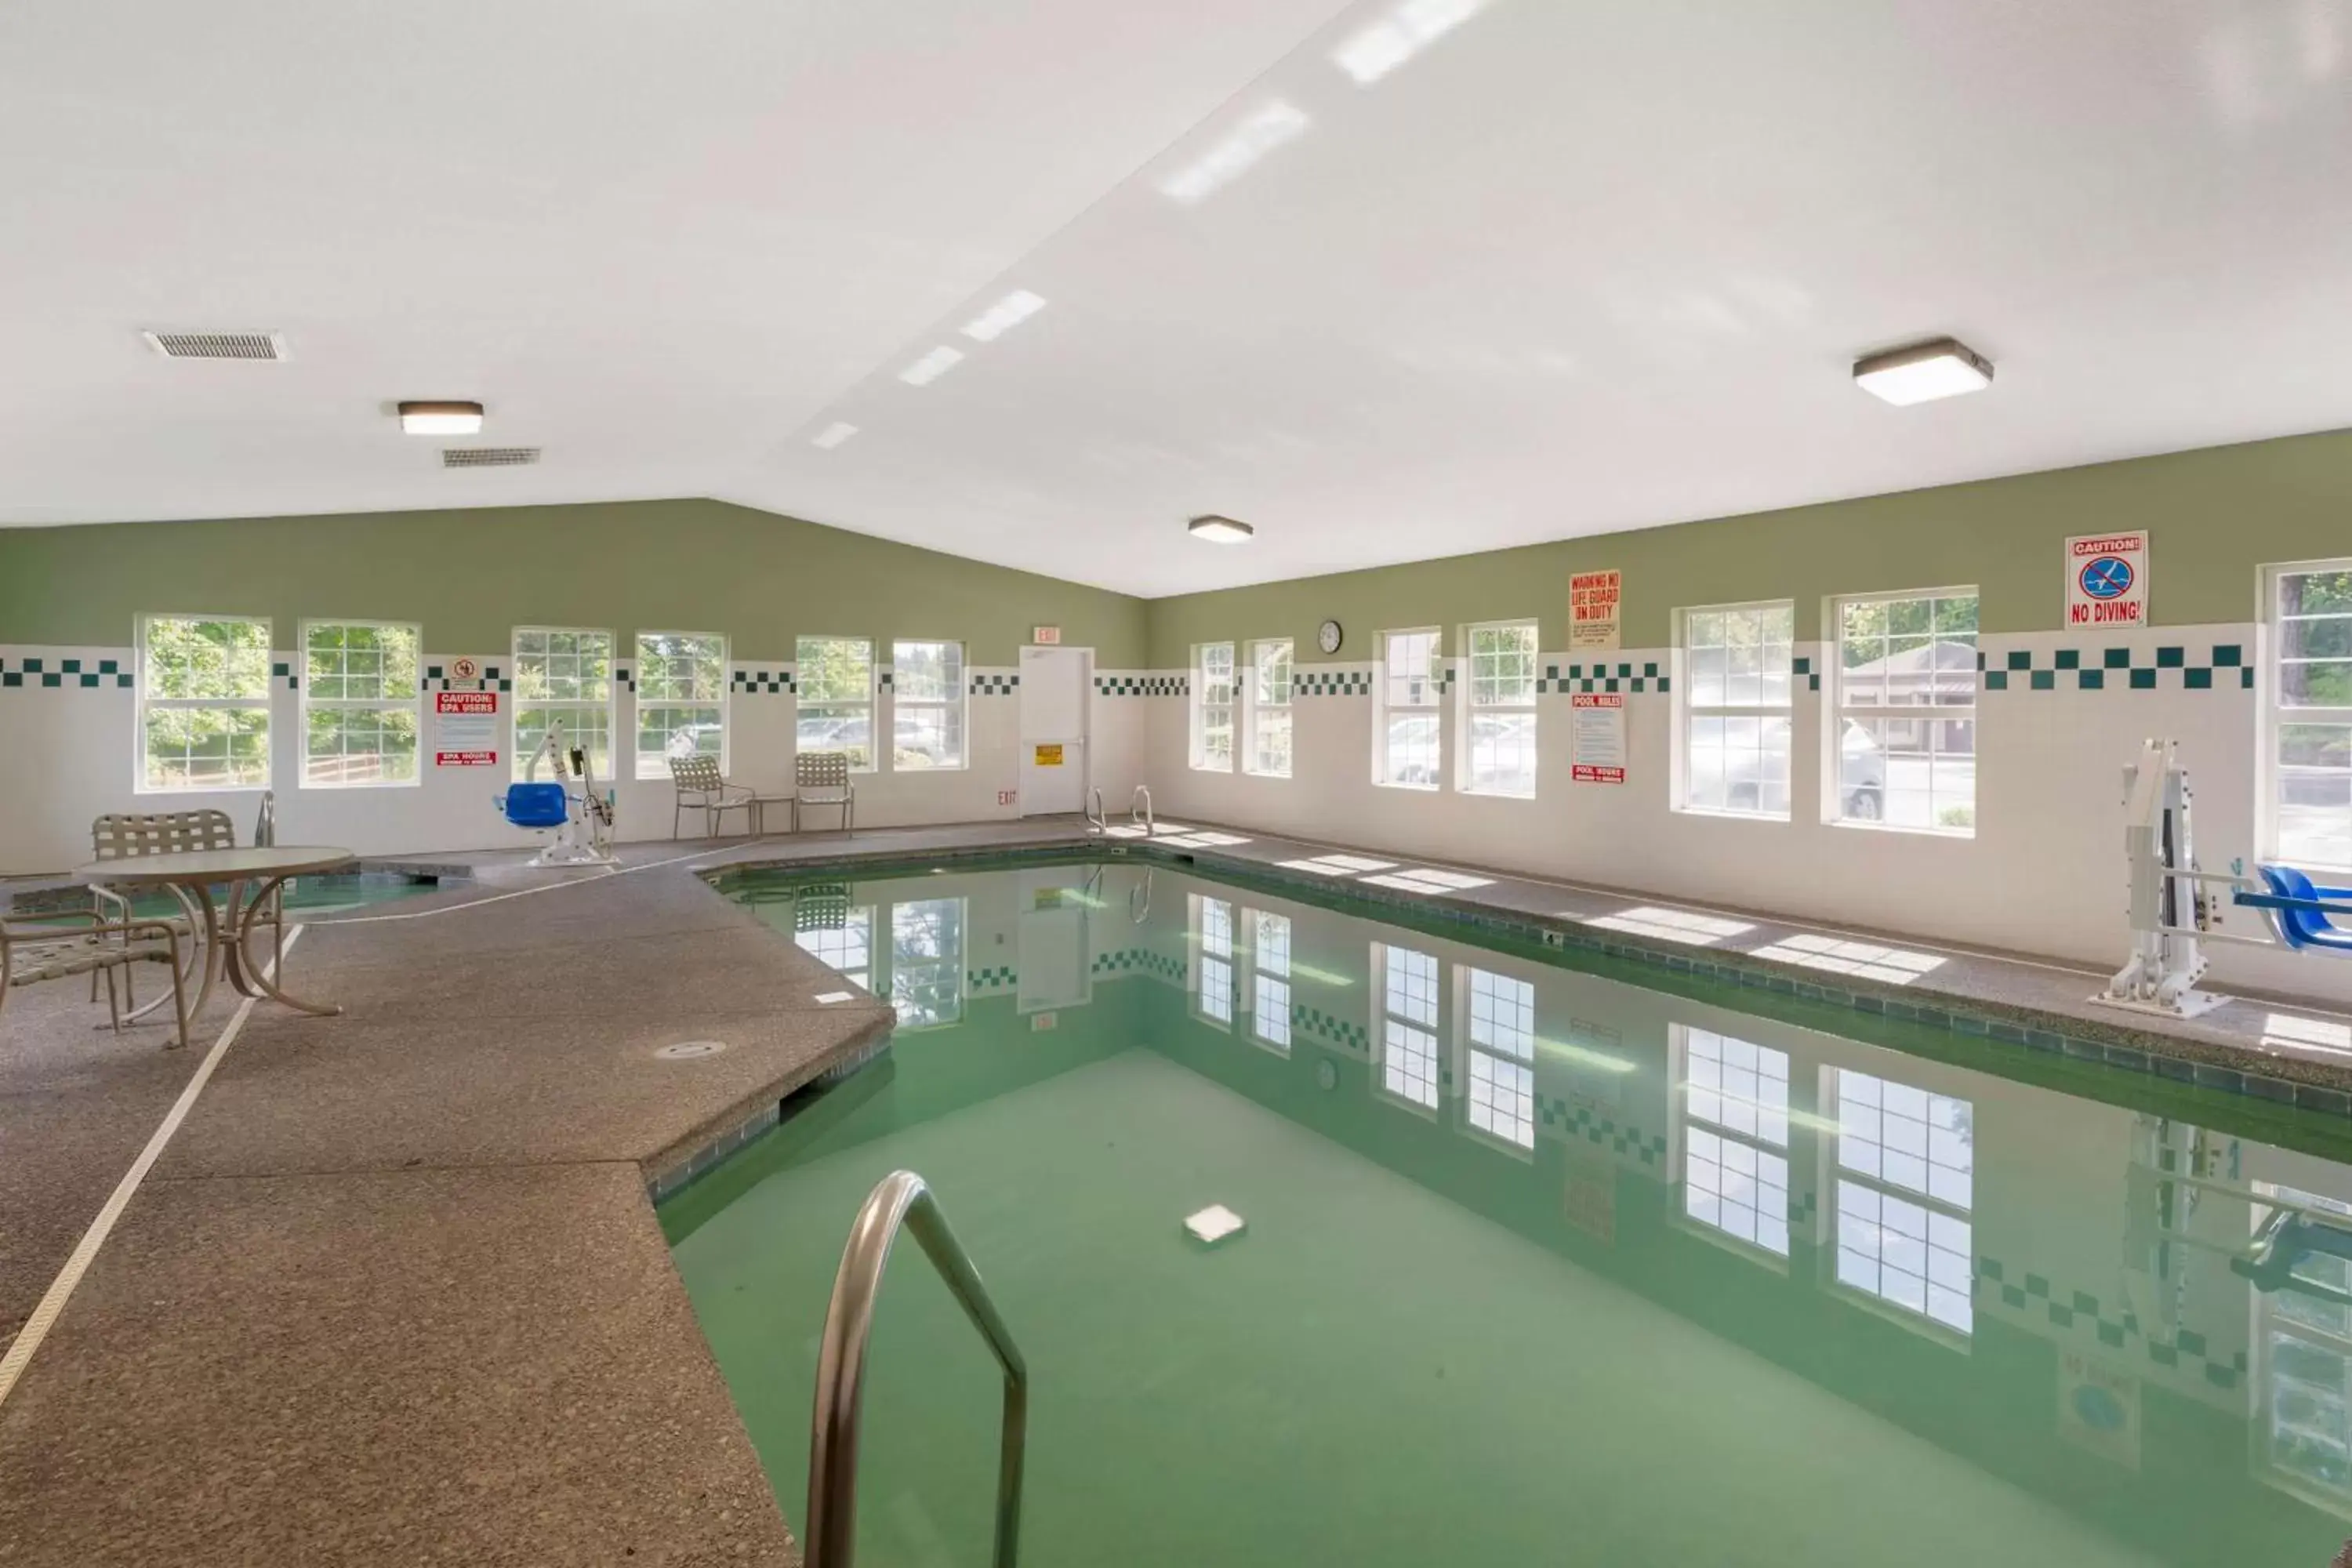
(1327, 637)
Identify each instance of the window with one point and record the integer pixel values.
(836, 683)
(1501, 1101)
(835, 934)
(1269, 709)
(927, 699)
(2311, 716)
(1408, 737)
(1500, 756)
(564, 676)
(1212, 932)
(1408, 1038)
(1906, 1164)
(203, 702)
(360, 703)
(681, 699)
(1270, 979)
(1907, 710)
(1736, 1137)
(1735, 698)
(1213, 707)
(2303, 1354)
(927, 961)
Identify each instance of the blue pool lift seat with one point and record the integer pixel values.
(2296, 914)
(536, 805)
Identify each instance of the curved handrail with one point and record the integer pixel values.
(1097, 819)
(1138, 916)
(901, 1198)
(1140, 813)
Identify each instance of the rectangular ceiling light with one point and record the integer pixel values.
(931, 366)
(1373, 52)
(1226, 162)
(1924, 371)
(833, 435)
(1003, 316)
(441, 418)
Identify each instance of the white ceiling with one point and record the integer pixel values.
(1566, 268)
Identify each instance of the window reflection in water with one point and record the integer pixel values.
(1270, 979)
(1895, 1144)
(1408, 1038)
(1736, 1165)
(927, 961)
(1501, 1099)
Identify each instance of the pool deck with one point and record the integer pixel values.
(394, 1292)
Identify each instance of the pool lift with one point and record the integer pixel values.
(581, 817)
(2185, 1197)
(2175, 908)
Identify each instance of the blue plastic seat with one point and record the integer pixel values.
(2306, 927)
(537, 805)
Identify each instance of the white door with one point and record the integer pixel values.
(1055, 684)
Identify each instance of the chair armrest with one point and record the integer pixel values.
(736, 792)
(21, 932)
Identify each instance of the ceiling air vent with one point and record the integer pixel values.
(217, 345)
(488, 456)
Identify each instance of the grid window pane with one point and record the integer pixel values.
(563, 675)
(1737, 1188)
(1270, 1011)
(1740, 1087)
(1734, 702)
(203, 702)
(1269, 713)
(1213, 707)
(835, 679)
(1907, 1255)
(2311, 716)
(1410, 747)
(927, 947)
(1408, 1024)
(1906, 693)
(1499, 754)
(926, 694)
(847, 947)
(360, 701)
(681, 699)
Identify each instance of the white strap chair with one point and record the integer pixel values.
(822, 778)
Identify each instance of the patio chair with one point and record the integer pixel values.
(31, 953)
(699, 784)
(125, 836)
(822, 778)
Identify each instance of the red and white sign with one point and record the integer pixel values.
(465, 729)
(2106, 579)
(1045, 637)
(1596, 735)
(1592, 608)
(464, 669)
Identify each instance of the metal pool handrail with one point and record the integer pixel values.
(900, 1199)
(1097, 822)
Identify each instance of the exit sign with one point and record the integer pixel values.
(1046, 637)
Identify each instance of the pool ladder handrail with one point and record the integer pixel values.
(1140, 816)
(901, 1199)
(1097, 819)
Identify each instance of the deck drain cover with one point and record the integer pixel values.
(687, 1050)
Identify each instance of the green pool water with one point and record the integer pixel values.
(1545, 1261)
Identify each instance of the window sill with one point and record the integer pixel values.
(377, 783)
(1211, 768)
(1493, 794)
(1264, 773)
(925, 772)
(1415, 788)
(1727, 814)
(202, 789)
(1861, 825)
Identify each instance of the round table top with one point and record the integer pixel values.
(196, 867)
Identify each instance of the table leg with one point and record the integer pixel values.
(212, 940)
(256, 980)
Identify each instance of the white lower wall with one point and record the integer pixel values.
(2044, 872)
(69, 729)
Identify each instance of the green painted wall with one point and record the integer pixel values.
(472, 576)
(2214, 516)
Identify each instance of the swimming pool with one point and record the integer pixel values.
(1546, 1259)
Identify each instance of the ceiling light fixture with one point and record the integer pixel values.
(833, 435)
(441, 418)
(931, 366)
(1003, 316)
(1924, 371)
(1253, 138)
(1221, 529)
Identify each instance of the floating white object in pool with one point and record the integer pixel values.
(1213, 1225)
(828, 998)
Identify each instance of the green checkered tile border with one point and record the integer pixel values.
(40, 672)
(2217, 666)
(1583, 1121)
(1143, 686)
(437, 678)
(1353, 1038)
(1621, 675)
(1139, 961)
(2117, 1331)
(1332, 683)
(995, 685)
(1802, 664)
(764, 681)
(1002, 978)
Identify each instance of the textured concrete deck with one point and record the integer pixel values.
(395, 1294)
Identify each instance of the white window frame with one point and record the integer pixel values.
(948, 966)
(1257, 704)
(1691, 712)
(1406, 1028)
(1473, 709)
(1270, 939)
(1206, 713)
(844, 705)
(955, 704)
(1217, 950)
(2277, 715)
(1732, 1121)
(609, 707)
(830, 945)
(660, 770)
(1948, 1197)
(149, 703)
(1934, 714)
(1388, 704)
(1498, 1030)
(412, 704)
